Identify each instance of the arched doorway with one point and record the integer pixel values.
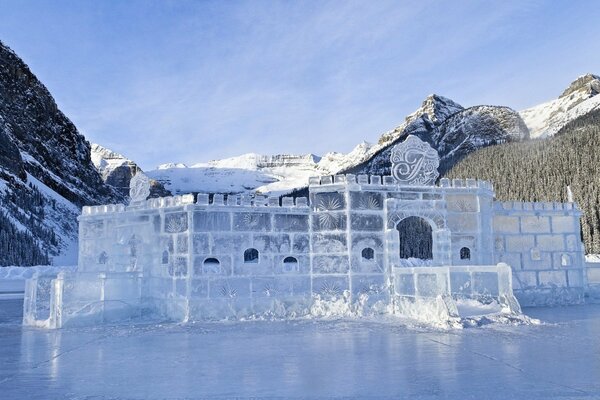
(416, 238)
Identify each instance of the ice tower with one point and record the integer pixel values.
(398, 244)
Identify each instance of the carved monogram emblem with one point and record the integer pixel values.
(414, 162)
(139, 188)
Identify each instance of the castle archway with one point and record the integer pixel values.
(415, 238)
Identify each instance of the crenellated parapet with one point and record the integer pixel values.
(216, 200)
(379, 182)
(523, 206)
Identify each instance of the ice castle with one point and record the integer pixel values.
(358, 244)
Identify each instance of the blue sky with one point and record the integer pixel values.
(190, 81)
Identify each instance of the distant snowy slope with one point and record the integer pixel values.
(274, 174)
(580, 98)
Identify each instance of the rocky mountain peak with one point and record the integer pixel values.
(437, 108)
(433, 111)
(50, 146)
(117, 170)
(587, 85)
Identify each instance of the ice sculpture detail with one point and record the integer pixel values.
(139, 188)
(415, 162)
(359, 245)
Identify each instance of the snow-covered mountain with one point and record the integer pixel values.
(454, 132)
(277, 174)
(580, 98)
(117, 170)
(452, 129)
(46, 173)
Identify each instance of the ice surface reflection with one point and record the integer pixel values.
(304, 359)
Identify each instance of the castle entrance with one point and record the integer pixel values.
(416, 238)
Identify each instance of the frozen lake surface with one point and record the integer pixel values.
(304, 359)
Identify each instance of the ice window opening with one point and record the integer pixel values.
(465, 253)
(290, 264)
(211, 261)
(251, 256)
(565, 260)
(165, 257)
(102, 258)
(368, 254)
(290, 260)
(415, 238)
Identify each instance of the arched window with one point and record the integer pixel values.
(465, 253)
(565, 260)
(211, 261)
(290, 260)
(290, 264)
(251, 256)
(165, 257)
(368, 254)
(212, 266)
(102, 258)
(415, 238)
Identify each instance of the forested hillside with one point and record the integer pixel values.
(541, 170)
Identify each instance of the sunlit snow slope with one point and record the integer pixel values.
(278, 174)
(581, 97)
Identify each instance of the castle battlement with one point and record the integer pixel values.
(378, 182)
(510, 206)
(203, 199)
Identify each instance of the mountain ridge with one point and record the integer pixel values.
(46, 173)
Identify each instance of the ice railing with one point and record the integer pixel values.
(531, 206)
(442, 286)
(388, 180)
(84, 298)
(203, 200)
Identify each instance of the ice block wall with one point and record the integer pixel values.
(542, 244)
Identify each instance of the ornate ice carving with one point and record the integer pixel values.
(327, 219)
(415, 162)
(139, 188)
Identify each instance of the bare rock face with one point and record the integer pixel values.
(450, 129)
(117, 171)
(588, 84)
(475, 128)
(45, 169)
(10, 157)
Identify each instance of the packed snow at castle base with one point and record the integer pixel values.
(357, 246)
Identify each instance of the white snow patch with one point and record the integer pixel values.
(546, 119)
